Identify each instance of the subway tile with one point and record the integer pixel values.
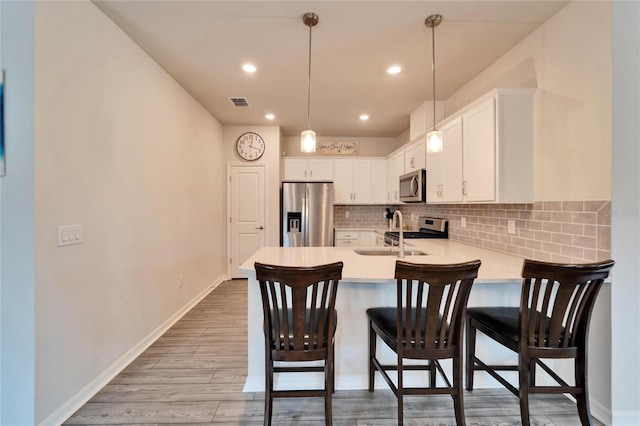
(588, 218)
(604, 238)
(562, 216)
(590, 230)
(558, 258)
(603, 216)
(594, 206)
(526, 215)
(511, 249)
(561, 238)
(573, 206)
(526, 252)
(552, 226)
(542, 256)
(552, 248)
(604, 255)
(572, 228)
(535, 245)
(535, 225)
(552, 205)
(527, 233)
(544, 236)
(539, 215)
(590, 255)
(585, 242)
(574, 252)
(520, 242)
(537, 205)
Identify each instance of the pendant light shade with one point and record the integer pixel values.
(308, 137)
(434, 137)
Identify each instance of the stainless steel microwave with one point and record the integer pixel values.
(413, 187)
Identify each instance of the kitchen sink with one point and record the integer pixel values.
(388, 252)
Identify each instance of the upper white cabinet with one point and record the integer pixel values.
(479, 152)
(414, 155)
(359, 181)
(421, 120)
(394, 169)
(444, 169)
(302, 169)
(497, 141)
(487, 152)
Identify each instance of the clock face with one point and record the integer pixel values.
(250, 146)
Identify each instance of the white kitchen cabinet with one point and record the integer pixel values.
(415, 155)
(367, 238)
(444, 169)
(303, 169)
(497, 148)
(394, 169)
(479, 156)
(421, 119)
(348, 238)
(359, 181)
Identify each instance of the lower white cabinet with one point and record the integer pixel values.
(356, 238)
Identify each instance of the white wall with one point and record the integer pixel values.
(625, 220)
(568, 60)
(123, 150)
(18, 346)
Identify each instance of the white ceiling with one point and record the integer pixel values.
(203, 45)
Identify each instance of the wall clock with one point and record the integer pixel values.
(250, 146)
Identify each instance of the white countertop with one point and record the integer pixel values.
(496, 267)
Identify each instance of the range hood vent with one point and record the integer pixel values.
(240, 102)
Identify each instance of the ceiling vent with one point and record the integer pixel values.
(239, 102)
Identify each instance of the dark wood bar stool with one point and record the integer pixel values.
(551, 322)
(299, 325)
(426, 324)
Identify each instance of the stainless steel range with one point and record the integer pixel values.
(429, 227)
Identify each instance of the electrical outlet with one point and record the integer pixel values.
(511, 226)
(463, 222)
(413, 216)
(70, 234)
(346, 214)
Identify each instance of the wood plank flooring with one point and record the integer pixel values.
(194, 374)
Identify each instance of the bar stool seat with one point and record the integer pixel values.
(552, 322)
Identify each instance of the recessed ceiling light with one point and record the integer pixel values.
(269, 116)
(395, 69)
(249, 68)
(364, 117)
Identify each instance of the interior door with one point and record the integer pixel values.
(247, 231)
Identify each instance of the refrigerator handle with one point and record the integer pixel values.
(305, 217)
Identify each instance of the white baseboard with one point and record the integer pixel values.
(78, 400)
(601, 412)
(626, 418)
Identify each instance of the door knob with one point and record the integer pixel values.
(260, 228)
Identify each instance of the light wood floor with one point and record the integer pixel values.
(194, 375)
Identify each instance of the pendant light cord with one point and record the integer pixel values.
(309, 85)
(433, 71)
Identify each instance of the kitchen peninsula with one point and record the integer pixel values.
(368, 281)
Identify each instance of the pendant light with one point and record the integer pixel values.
(308, 137)
(434, 137)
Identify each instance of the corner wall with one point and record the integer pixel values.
(17, 346)
(125, 151)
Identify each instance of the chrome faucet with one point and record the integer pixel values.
(400, 233)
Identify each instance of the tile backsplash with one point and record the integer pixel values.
(556, 231)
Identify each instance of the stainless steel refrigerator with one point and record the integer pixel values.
(307, 214)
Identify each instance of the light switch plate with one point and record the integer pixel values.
(69, 234)
(511, 226)
(463, 222)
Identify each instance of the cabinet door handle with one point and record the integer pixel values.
(464, 187)
(260, 228)
(311, 173)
